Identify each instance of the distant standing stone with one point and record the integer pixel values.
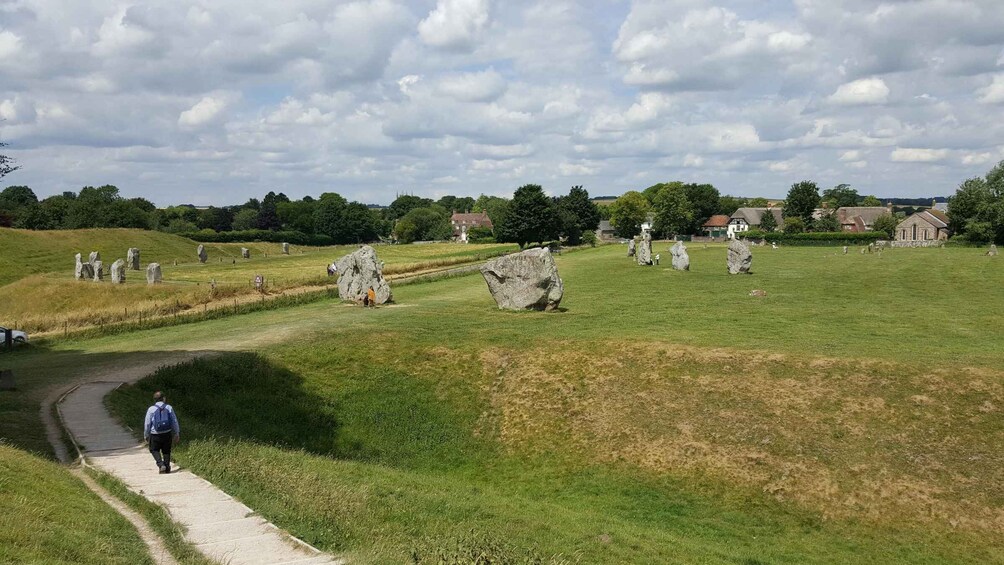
(95, 256)
(631, 247)
(285, 249)
(118, 271)
(644, 251)
(99, 271)
(84, 271)
(758, 293)
(78, 270)
(739, 257)
(845, 250)
(153, 274)
(132, 258)
(993, 250)
(201, 250)
(245, 253)
(681, 259)
(524, 281)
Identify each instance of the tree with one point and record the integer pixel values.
(216, 219)
(886, 224)
(359, 224)
(758, 202)
(245, 219)
(532, 217)
(430, 223)
(7, 165)
(327, 215)
(794, 224)
(870, 201)
(268, 213)
(628, 213)
(826, 222)
(729, 204)
(674, 213)
(768, 222)
(652, 192)
(495, 206)
(704, 200)
(18, 196)
(404, 204)
(840, 196)
(456, 204)
(577, 214)
(977, 208)
(802, 201)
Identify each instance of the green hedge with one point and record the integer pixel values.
(294, 237)
(815, 238)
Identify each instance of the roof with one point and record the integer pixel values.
(752, 216)
(935, 218)
(476, 219)
(605, 226)
(717, 221)
(939, 215)
(868, 214)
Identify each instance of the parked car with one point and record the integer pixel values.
(17, 335)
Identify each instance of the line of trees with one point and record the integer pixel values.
(976, 211)
(676, 208)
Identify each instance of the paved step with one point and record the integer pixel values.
(220, 526)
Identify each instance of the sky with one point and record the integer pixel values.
(215, 101)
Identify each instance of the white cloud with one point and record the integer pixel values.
(977, 159)
(203, 112)
(454, 24)
(484, 86)
(852, 155)
(10, 45)
(576, 169)
(864, 91)
(915, 155)
(994, 92)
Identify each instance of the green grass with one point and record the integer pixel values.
(49, 517)
(851, 416)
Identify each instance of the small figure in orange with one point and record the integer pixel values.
(371, 297)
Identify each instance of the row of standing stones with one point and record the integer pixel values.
(93, 269)
(739, 258)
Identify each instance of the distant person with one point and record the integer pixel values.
(657, 257)
(371, 297)
(161, 431)
(331, 270)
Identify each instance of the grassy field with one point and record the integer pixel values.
(853, 415)
(47, 516)
(37, 267)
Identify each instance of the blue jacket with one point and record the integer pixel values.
(148, 421)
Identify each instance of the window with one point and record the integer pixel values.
(915, 232)
(902, 234)
(926, 236)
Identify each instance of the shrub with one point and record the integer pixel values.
(815, 238)
(294, 237)
(480, 235)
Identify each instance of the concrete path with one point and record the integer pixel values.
(221, 527)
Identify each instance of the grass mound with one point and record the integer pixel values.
(48, 516)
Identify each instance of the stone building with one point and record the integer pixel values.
(462, 223)
(929, 225)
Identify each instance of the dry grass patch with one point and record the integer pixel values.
(850, 439)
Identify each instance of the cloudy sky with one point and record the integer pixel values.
(213, 101)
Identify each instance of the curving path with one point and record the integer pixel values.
(220, 526)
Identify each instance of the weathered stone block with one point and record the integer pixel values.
(524, 281)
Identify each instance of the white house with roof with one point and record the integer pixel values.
(745, 219)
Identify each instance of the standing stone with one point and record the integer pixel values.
(78, 271)
(681, 260)
(201, 250)
(86, 272)
(845, 250)
(993, 250)
(644, 251)
(95, 256)
(359, 271)
(285, 249)
(524, 281)
(739, 257)
(245, 253)
(631, 246)
(132, 258)
(153, 274)
(99, 271)
(118, 271)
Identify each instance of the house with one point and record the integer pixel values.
(646, 226)
(462, 223)
(929, 225)
(745, 219)
(605, 231)
(860, 218)
(716, 226)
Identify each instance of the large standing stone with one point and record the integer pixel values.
(993, 250)
(118, 271)
(631, 248)
(95, 256)
(84, 271)
(681, 260)
(153, 274)
(245, 253)
(201, 250)
(739, 258)
(285, 249)
(132, 258)
(358, 272)
(524, 281)
(644, 251)
(78, 270)
(99, 271)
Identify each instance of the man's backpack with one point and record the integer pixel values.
(162, 420)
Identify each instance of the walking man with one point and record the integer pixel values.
(161, 430)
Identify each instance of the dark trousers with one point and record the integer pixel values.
(160, 447)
